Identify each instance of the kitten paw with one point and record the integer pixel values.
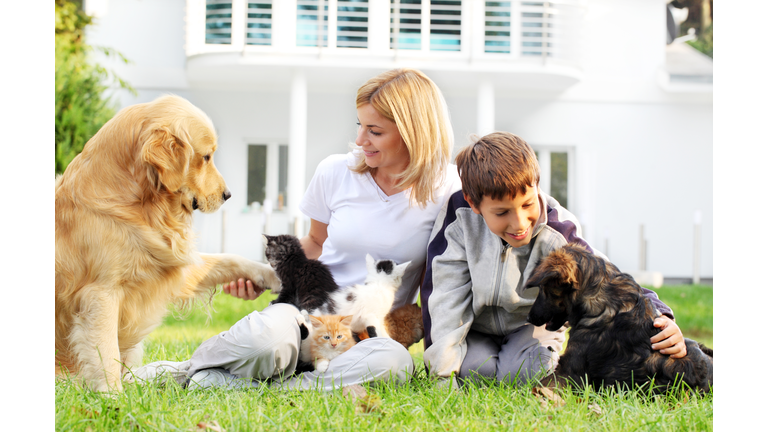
(322, 366)
(371, 331)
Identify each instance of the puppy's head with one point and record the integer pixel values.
(557, 277)
(178, 146)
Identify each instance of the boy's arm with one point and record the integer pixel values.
(450, 312)
(657, 303)
(446, 296)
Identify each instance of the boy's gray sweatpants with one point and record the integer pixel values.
(526, 352)
(265, 345)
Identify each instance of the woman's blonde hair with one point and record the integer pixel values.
(411, 100)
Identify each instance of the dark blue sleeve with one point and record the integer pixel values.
(435, 248)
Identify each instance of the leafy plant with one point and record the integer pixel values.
(704, 41)
(82, 105)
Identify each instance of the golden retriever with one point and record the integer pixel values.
(124, 241)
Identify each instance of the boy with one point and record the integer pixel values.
(486, 242)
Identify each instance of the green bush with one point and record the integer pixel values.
(81, 104)
(703, 42)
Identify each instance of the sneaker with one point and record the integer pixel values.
(160, 371)
(217, 377)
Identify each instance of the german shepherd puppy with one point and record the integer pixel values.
(611, 324)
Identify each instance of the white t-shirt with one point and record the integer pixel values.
(363, 220)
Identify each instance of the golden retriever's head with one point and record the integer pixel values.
(178, 146)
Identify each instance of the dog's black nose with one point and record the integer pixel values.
(226, 195)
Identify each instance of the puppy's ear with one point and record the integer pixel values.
(558, 268)
(569, 270)
(540, 275)
(169, 156)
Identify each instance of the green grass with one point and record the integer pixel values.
(693, 309)
(417, 406)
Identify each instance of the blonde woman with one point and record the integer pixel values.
(382, 199)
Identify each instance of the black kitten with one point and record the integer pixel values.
(306, 283)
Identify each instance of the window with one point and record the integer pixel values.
(312, 23)
(218, 22)
(537, 21)
(258, 23)
(268, 174)
(556, 177)
(445, 25)
(352, 24)
(498, 16)
(405, 24)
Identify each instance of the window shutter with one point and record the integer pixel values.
(352, 24)
(218, 22)
(445, 25)
(258, 23)
(405, 24)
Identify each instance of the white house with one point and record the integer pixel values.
(621, 121)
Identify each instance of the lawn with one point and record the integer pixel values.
(417, 406)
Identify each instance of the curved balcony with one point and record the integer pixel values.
(538, 42)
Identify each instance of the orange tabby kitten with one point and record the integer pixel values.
(329, 336)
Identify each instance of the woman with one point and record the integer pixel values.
(380, 199)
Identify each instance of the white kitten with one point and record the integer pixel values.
(370, 302)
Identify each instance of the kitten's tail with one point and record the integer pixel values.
(369, 332)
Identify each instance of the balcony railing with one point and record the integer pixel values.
(431, 29)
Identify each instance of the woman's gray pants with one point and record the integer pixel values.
(265, 346)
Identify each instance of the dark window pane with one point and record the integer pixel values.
(559, 177)
(257, 173)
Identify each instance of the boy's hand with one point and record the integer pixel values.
(242, 289)
(670, 339)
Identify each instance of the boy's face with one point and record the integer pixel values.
(512, 219)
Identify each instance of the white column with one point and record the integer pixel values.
(273, 174)
(515, 28)
(378, 26)
(468, 19)
(195, 27)
(297, 147)
(486, 108)
(475, 38)
(284, 24)
(333, 9)
(238, 24)
(425, 17)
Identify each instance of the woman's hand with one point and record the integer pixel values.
(242, 289)
(670, 339)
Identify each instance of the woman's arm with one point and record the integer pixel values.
(312, 243)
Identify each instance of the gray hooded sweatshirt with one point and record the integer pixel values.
(474, 280)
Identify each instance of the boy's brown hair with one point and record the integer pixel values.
(499, 164)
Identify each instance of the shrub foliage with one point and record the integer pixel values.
(82, 105)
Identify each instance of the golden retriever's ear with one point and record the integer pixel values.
(169, 155)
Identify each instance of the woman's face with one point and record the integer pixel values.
(380, 141)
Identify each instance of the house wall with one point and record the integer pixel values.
(642, 155)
